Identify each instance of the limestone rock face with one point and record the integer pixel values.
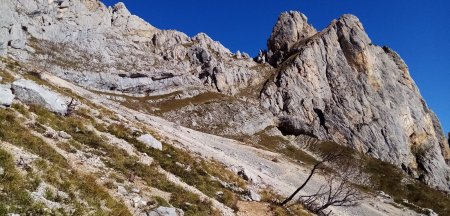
(291, 28)
(29, 92)
(109, 49)
(337, 85)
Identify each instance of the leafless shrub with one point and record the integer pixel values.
(71, 107)
(339, 189)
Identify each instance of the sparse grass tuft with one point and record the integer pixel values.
(13, 132)
(14, 195)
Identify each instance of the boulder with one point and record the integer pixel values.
(150, 141)
(254, 196)
(6, 95)
(166, 211)
(30, 92)
(64, 135)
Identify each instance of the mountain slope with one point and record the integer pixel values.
(324, 85)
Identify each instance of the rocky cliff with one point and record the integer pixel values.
(337, 85)
(333, 84)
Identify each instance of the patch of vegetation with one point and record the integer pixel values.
(121, 161)
(195, 172)
(169, 102)
(21, 109)
(392, 180)
(273, 199)
(280, 145)
(13, 132)
(161, 201)
(6, 77)
(84, 193)
(14, 194)
(383, 176)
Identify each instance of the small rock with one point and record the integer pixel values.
(245, 55)
(135, 190)
(63, 195)
(95, 113)
(254, 196)
(166, 211)
(2, 171)
(6, 95)
(150, 141)
(382, 194)
(219, 193)
(50, 133)
(121, 190)
(137, 201)
(64, 135)
(430, 212)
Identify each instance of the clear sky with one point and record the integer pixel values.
(419, 30)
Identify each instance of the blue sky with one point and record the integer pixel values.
(419, 30)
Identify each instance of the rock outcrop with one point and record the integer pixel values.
(109, 49)
(337, 85)
(291, 28)
(30, 92)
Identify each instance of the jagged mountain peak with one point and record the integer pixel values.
(290, 28)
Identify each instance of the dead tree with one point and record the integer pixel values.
(326, 158)
(71, 107)
(338, 190)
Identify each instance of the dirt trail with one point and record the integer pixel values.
(283, 176)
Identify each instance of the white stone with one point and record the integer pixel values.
(121, 190)
(64, 135)
(166, 211)
(30, 92)
(254, 196)
(6, 95)
(150, 141)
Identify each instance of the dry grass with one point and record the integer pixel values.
(194, 171)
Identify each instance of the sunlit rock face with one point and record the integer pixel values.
(337, 85)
